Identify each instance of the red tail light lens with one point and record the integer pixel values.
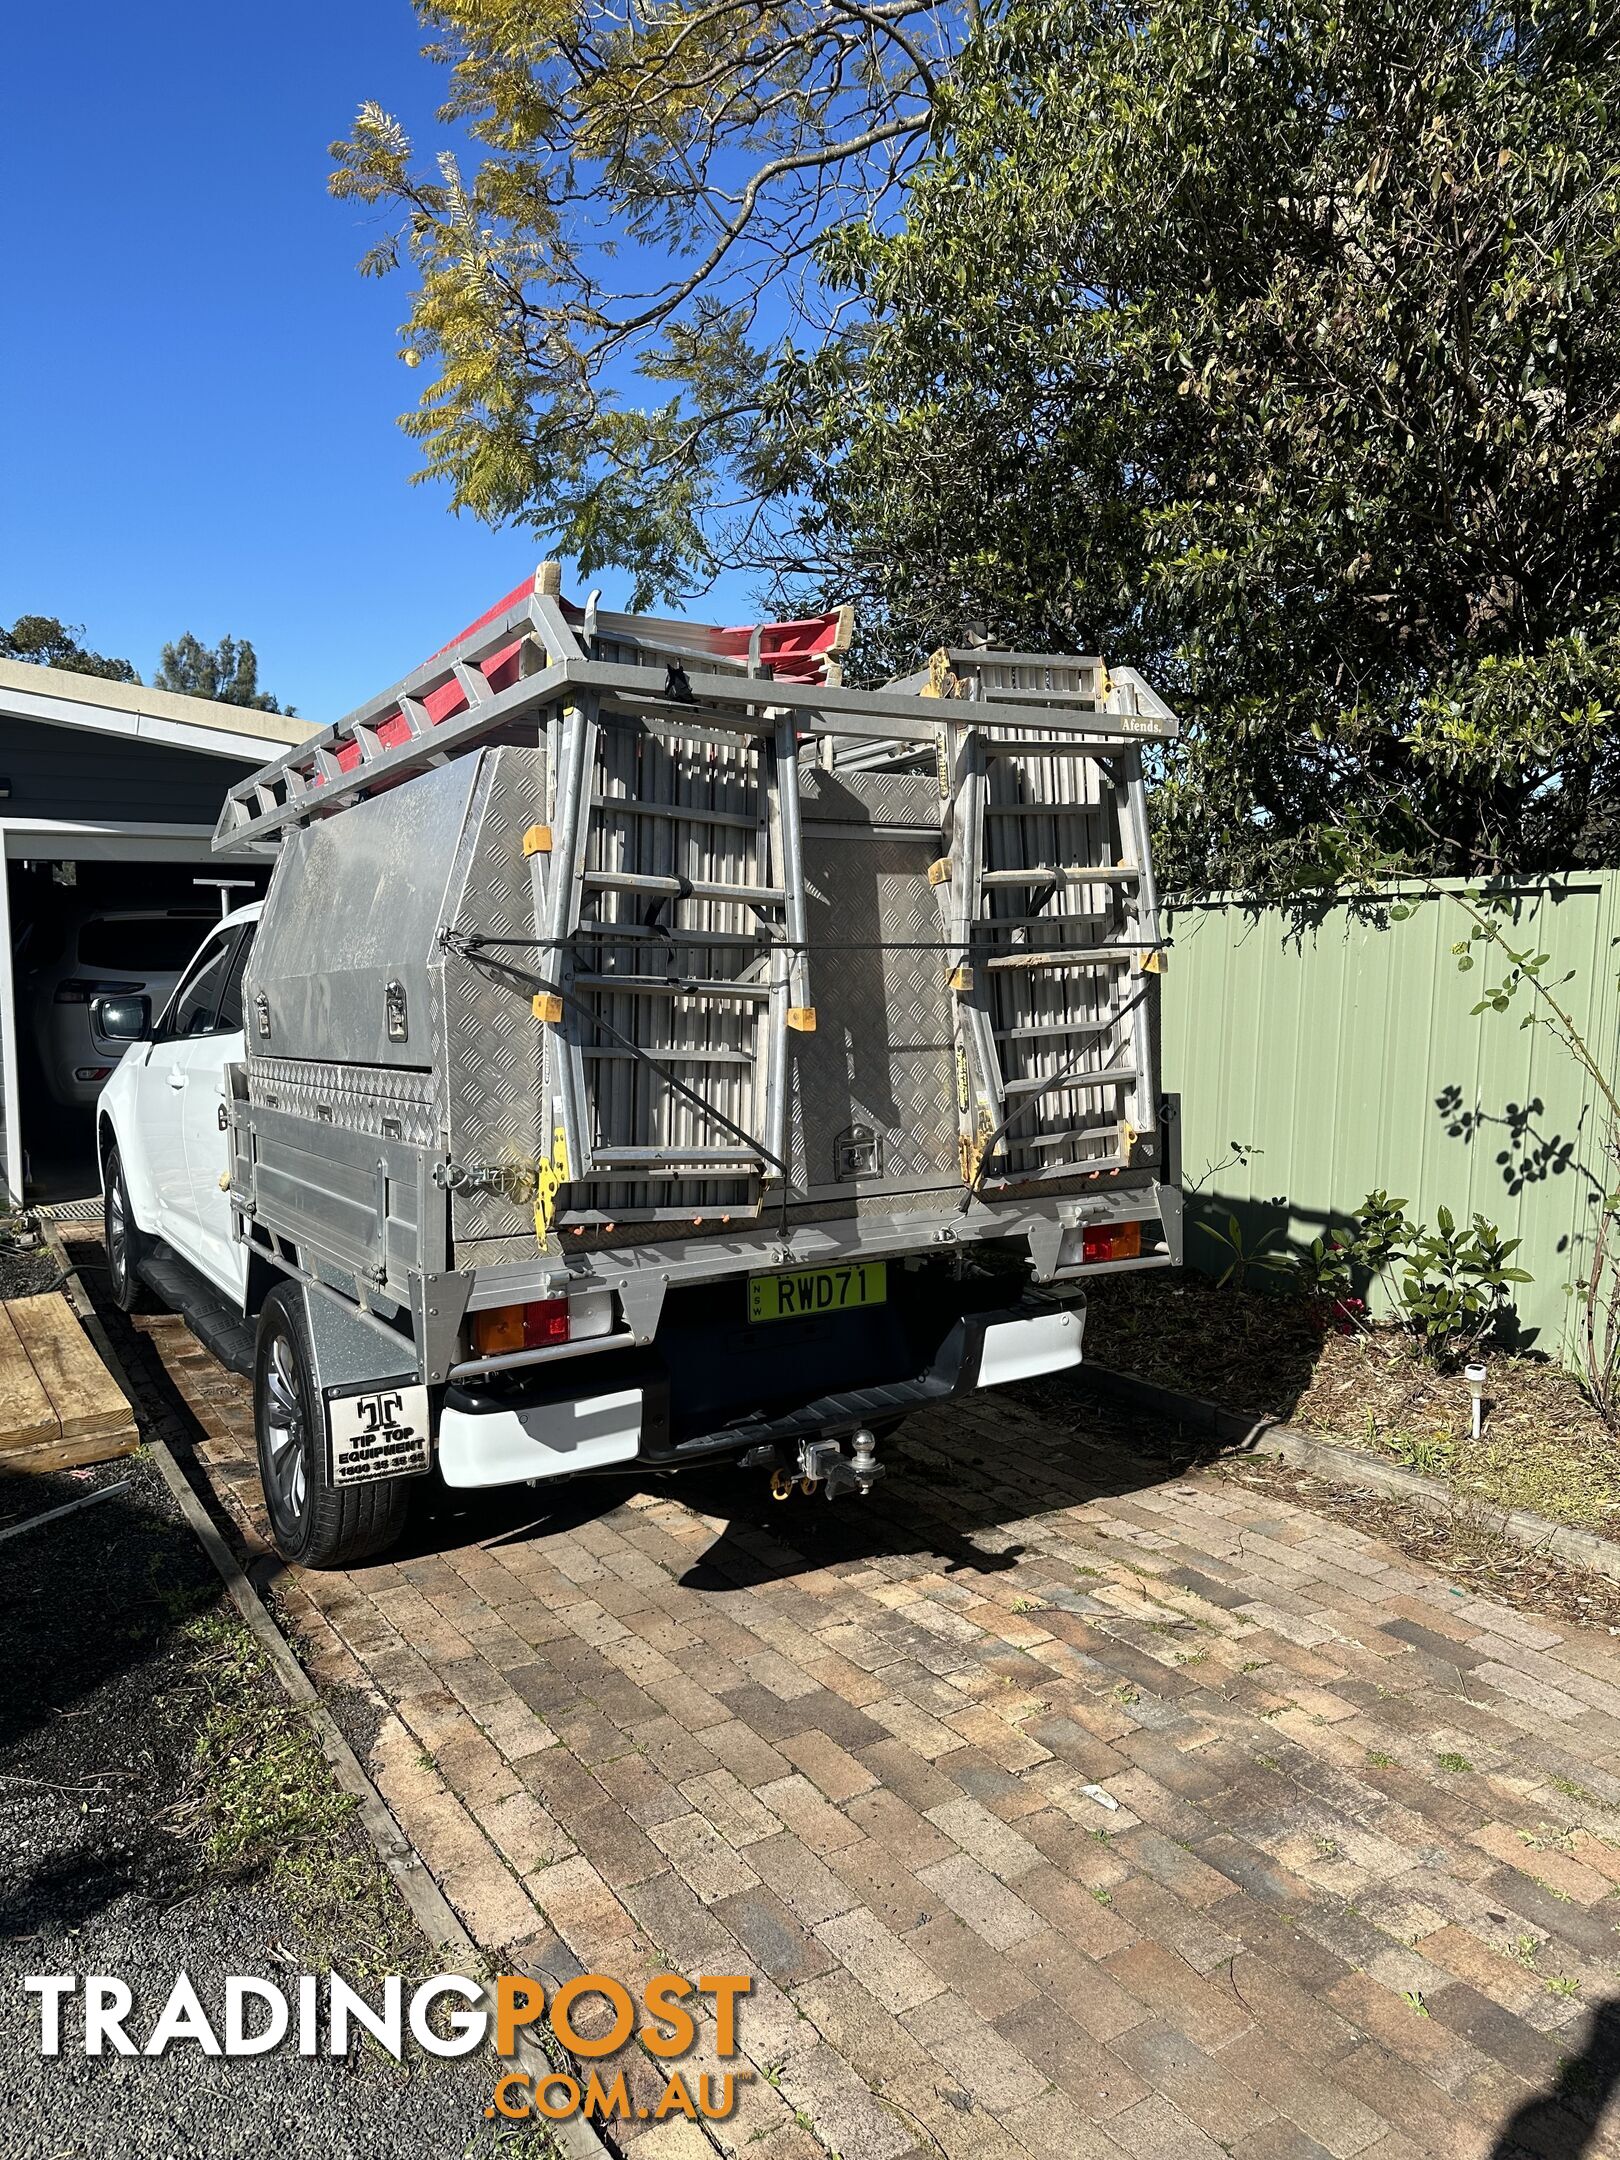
(1111, 1241)
(521, 1327)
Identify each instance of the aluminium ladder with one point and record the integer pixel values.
(669, 913)
(1050, 919)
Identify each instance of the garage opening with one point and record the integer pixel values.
(82, 930)
(109, 795)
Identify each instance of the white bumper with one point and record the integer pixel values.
(562, 1439)
(1023, 1349)
(509, 1447)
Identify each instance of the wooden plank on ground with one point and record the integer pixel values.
(26, 1416)
(71, 1454)
(85, 1397)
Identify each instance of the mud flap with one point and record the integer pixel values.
(379, 1414)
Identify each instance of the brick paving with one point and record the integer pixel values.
(1358, 1893)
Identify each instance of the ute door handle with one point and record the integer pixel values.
(177, 1079)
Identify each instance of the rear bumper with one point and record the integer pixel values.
(553, 1433)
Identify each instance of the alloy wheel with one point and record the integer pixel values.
(117, 1234)
(284, 1430)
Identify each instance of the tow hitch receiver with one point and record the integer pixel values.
(824, 1463)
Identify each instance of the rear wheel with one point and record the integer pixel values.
(126, 1245)
(314, 1523)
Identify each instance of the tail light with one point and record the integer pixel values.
(520, 1327)
(1111, 1241)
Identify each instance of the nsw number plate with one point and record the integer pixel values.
(378, 1435)
(817, 1290)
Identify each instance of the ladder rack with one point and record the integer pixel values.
(667, 889)
(533, 652)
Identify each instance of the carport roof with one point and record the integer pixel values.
(60, 698)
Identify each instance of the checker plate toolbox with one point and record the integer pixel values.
(616, 951)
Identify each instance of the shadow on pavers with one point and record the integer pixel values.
(954, 1477)
(1561, 2123)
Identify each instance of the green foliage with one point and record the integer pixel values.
(227, 672)
(588, 292)
(1242, 1258)
(1540, 1001)
(1449, 1287)
(1278, 351)
(48, 642)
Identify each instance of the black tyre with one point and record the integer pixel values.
(314, 1523)
(126, 1245)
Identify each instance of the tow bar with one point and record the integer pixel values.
(824, 1463)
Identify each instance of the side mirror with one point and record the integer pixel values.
(122, 1019)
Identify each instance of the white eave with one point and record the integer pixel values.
(56, 697)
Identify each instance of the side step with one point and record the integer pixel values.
(217, 1325)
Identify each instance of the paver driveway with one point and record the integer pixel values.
(1358, 1894)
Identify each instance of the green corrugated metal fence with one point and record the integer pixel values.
(1345, 1056)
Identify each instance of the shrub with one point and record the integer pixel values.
(1449, 1288)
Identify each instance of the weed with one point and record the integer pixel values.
(1564, 1840)
(1414, 2001)
(1572, 1791)
(1563, 1985)
(1254, 1664)
(1525, 1948)
(1434, 1456)
(1378, 1760)
(275, 1813)
(1451, 1761)
(1102, 1897)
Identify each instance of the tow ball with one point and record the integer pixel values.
(824, 1463)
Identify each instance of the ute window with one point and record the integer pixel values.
(133, 944)
(195, 1010)
(232, 1019)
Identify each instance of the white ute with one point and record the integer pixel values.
(652, 1052)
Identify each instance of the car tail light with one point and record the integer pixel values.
(520, 1327)
(1111, 1241)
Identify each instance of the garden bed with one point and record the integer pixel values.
(1543, 1448)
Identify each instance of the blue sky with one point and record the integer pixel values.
(199, 392)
